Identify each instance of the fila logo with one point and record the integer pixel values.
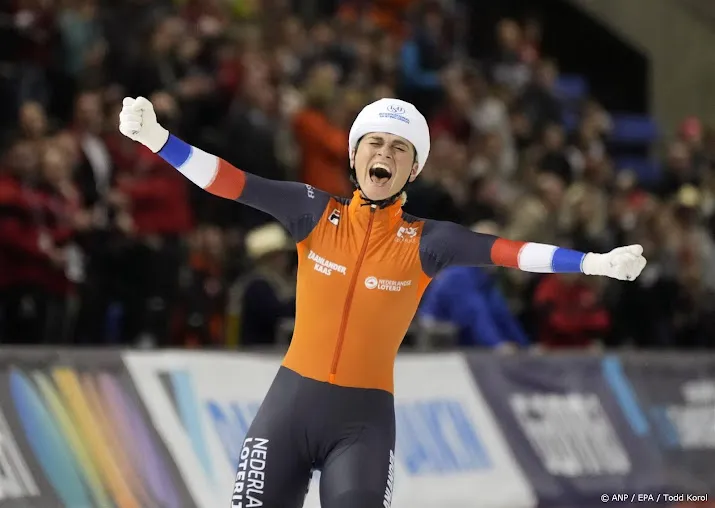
(335, 217)
(406, 234)
(325, 266)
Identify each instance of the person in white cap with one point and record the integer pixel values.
(394, 125)
(363, 266)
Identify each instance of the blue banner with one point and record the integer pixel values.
(566, 426)
(669, 401)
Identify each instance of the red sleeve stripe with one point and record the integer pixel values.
(506, 252)
(204, 169)
(228, 182)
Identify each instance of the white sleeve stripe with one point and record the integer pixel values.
(200, 167)
(537, 258)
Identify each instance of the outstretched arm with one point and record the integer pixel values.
(447, 244)
(295, 205)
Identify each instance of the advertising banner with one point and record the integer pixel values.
(202, 403)
(449, 450)
(567, 429)
(74, 433)
(669, 400)
(165, 429)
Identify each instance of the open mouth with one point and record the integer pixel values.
(380, 174)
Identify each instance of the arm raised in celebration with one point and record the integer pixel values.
(295, 205)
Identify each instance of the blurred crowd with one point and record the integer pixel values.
(101, 242)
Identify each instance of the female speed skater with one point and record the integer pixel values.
(363, 266)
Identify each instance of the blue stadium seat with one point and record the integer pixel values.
(570, 119)
(632, 129)
(647, 170)
(571, 88)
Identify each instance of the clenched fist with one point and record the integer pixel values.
(137, 121)
(623, 263)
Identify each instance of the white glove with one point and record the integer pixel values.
(623, 263)
(137, 121)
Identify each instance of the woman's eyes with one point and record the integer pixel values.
(400, 148)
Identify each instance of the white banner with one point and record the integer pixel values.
(449, 450)
(202, 404)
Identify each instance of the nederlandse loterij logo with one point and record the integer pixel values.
(386, 284)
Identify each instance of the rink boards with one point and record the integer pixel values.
(165, 429)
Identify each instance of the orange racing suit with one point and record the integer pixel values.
(361, 273)
(361, 269)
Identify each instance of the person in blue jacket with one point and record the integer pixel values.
(469, 298)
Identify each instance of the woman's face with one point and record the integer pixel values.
(383, 164)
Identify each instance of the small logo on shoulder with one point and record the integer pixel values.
(334, 217)
(311, 191)
(406, 234)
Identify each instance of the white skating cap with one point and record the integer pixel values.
(395, 117)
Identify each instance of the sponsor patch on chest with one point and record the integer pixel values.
(372, 282)
(325, 266)
(406, 234)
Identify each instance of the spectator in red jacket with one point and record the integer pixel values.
(570, 312)
(156, 202)
(19, 246)
(38, 215)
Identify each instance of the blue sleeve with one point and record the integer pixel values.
(455, 299)
(430, 306)
(505, 318)
(412, 72)
(474, 309)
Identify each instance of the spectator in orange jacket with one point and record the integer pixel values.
(389, 15)
(323, 144)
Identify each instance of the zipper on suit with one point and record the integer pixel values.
(349, 298)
